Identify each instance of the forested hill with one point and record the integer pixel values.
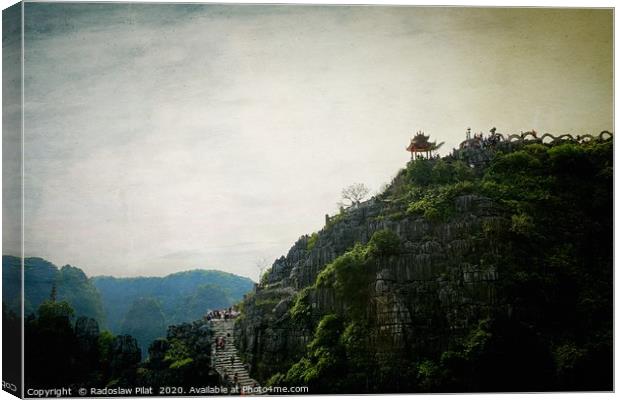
(487, 270)
(182, 297)
(71, 283)
(142, 307)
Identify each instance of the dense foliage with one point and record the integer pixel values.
(54, 354)
(183, 358)
(552, 326)
(63, 353)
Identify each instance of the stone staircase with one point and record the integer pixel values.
(226, 361)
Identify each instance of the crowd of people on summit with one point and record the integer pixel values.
(225, 314)
(480, 140)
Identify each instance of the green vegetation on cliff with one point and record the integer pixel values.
(535, 281)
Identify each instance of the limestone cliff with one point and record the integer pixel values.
(459, 281)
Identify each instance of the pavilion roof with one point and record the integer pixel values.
(420, 143)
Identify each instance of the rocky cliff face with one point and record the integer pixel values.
(125, 355)
(418, 298)
(87, 335)
(450, 275)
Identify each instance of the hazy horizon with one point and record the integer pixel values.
(168, 137)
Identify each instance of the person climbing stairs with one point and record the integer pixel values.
(225, 359)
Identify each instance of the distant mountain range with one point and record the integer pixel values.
(183, 296)
(72, 285)
(142, 307)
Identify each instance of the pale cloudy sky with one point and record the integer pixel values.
(165, 137)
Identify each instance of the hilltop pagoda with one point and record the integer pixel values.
(420, 144)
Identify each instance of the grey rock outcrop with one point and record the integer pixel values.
(125, 355)
(433, 289)
(87, 334)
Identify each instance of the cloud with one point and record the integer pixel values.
(161, 136)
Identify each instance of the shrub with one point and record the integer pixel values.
(50, 311)
(428, 374)
(522, 224)
(462, 171)
(437, 203)
(442, 173)
(515, 162)
(325, 356)
(384, 242)
(264, 278)
(312, 241)
(302, 309)
(351, 273)
(277, 379)
(419, 172)
(326, 278)
(327, 332)
(178, 355)
(568, 158)
(335, 219)
(536, 149)
(567, 358)
(432, 214)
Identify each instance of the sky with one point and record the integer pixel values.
(164, 137)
